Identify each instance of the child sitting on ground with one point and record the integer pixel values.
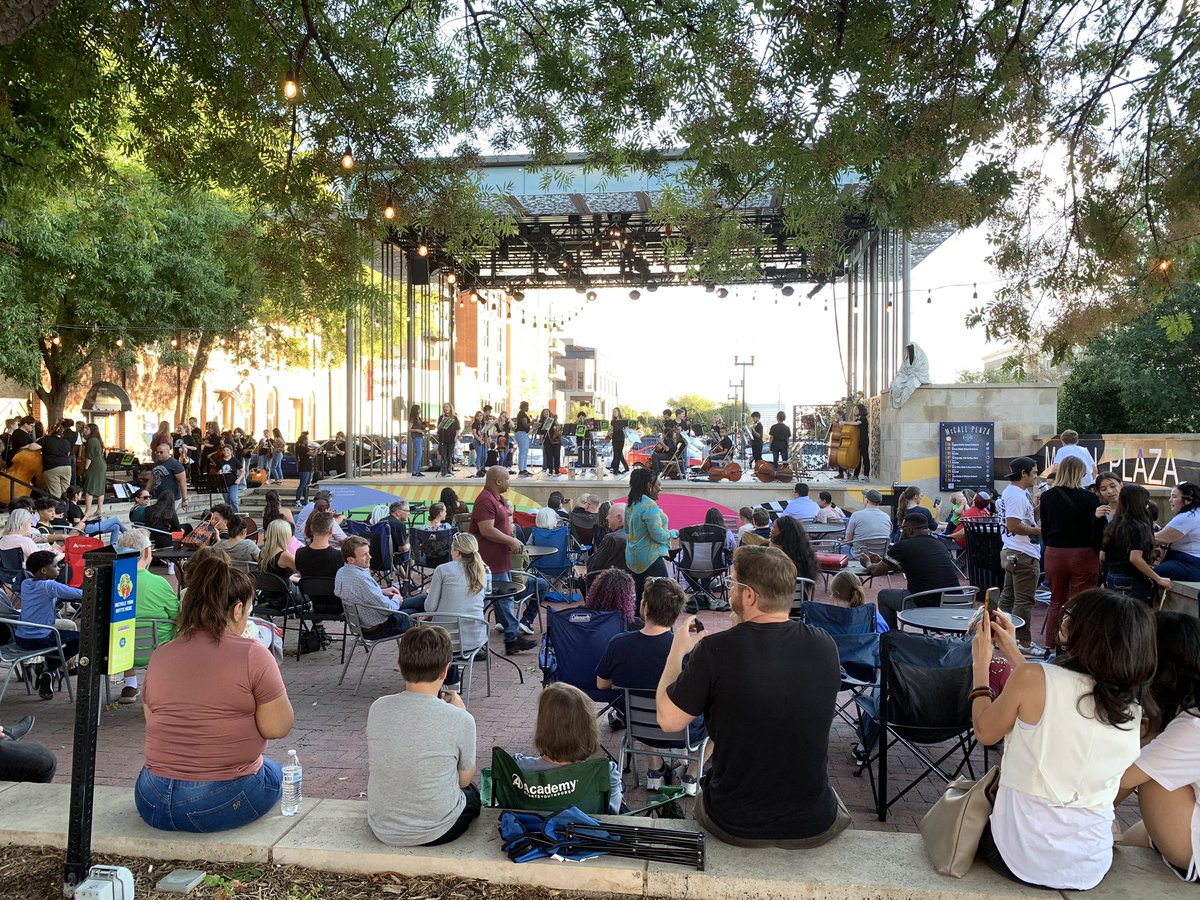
(846, 590)
(565, 734)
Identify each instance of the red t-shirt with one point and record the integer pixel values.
(490, 508)
(202, 696)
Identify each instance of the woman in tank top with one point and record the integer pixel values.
(1070, 731)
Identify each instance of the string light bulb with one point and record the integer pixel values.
(929, 299)
(120, 342)
(975, 291)
(291, 87)
(174, 342)
(422, 249)
(451, 278)
(56, 339)
(389, 211)
(1163, 265)
(347, 158)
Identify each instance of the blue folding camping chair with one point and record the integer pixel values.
(574, 641)
(555, 567)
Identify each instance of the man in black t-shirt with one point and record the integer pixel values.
(781, 436)
(21, 439)
(767, 689)
(924, 560)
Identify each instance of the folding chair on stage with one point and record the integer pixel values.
(574, 641)
(921, 704)
(702, 563)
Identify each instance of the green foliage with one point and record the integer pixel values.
(1133, 380)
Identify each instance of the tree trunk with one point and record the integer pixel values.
(20, 16)
(54, 399)
(199, 364)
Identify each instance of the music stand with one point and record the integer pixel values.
(213, 484)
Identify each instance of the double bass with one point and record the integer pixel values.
(845, 445)
(768, 472)
(731, 470)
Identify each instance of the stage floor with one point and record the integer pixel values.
(685, 501)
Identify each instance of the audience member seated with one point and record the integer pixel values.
(354, 584)
(18, 533)
(275, 557)
(41, 593)
(923, 559)
(1128, 543)
(336, 535)
(273, 509)
(802, 506)
(234, 542)
(908, 503)
(762, 530)
(397, 520)
(789, 536)
(307, 510)
(1167, 773)
(829, 514)
(612, 589)
(458, 589)
(1070, 732)
(745, 521)
(156, 599)
(46, 512)
(421, 750)
(453, 505)
(846, 589)
(867, 524)
(73, 516)
(558, 503)
(24, 762)
(980, 507)
(714, 517)
(437, 517)
(141, 502)
(635, 661)
(610, 552)
(565, 733)
(319, 559)
(1181, 535)
(548, 519)
(212, 700)
(769, 784)
(162, 520)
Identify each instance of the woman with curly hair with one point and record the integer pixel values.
(613, 589)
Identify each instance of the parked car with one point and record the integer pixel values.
(641, 454)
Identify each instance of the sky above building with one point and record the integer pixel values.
(683, 340)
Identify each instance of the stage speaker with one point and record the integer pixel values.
(418, 268)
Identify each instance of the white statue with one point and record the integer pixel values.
(913, 373)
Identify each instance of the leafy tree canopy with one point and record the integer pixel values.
(932, 107)
(1130, 381)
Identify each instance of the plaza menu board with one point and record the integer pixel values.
(967, 457)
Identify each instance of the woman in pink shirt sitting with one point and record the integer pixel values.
(212, 700)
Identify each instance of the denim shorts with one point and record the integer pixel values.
(170, 804)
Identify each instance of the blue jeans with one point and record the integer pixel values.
(1179, 566)
(264, 462)
(231, 496)
(203, 806)
(418, 453)
(504, 610)
(522, 450)
(302, 488)
(277, 466)
(111, 527)
(480, 455)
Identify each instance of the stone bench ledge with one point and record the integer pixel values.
(332, 835)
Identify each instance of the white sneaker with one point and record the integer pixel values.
(523, 628)
(497, 627)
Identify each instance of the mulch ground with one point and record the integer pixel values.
(36, 874)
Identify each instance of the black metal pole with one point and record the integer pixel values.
(93, 664)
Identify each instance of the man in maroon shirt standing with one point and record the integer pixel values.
(493, 529)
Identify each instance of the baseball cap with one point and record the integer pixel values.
(1020, 466)
(873, 495)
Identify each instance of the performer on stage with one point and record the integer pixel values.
(756, 436)
(781, 435)
(523, 427)
(682, 420)
(617, 431)
(416, 433)
(721, 449)
(862, 418)
(668, 421)
(448, 427)
(666, 450)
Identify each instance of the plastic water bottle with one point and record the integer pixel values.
(487, 579)
(293, 779)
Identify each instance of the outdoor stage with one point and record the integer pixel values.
(685, 502)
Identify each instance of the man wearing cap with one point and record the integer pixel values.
(1020, 555)
(923, 559)
(867, 524)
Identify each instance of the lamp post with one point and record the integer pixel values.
(744, 364)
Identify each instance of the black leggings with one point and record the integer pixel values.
(446, 451)
(553, 458)
(619, 459)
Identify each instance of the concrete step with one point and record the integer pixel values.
(333, 836)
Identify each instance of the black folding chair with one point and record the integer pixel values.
(921, 705)
(984, 540)
(321, 605)
(702, 563)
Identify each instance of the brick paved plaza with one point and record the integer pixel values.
(330, 724)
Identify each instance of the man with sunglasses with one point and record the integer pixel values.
(767, 689)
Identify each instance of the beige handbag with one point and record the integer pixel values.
(952, 828)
